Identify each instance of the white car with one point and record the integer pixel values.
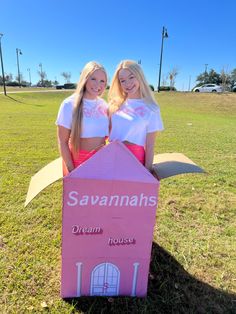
(208, 88)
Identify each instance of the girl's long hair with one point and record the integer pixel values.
(117, 96)
(88, 69)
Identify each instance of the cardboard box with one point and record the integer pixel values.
(109, 209)
(107, 226)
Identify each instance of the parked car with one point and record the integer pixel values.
(208, 88)
(233, 89)
(59, 86)
(66, 86)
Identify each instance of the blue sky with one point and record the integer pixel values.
(65, 34)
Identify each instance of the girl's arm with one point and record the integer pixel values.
(63, 135)
(149, 151)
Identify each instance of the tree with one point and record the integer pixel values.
(211, 77)
(233, 76)
(151, 87)
(47, 83)
(172, 75)
(55, 83)
(8, 77)
(24, 83)
(21, 78)
(67, 76)
(42, 75)
(225, 77)
(202, 78)
(164, 79)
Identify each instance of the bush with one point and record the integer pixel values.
(66, 86)
(152, 87)
(59, 86)
(69, 86)
(12, 83)
(167, 88)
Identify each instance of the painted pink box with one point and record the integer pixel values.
(109, 208)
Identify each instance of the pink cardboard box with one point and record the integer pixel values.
(109, 207)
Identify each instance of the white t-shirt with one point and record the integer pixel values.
(133, 121)
(95, 122)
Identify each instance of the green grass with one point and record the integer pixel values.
(193, 258)
(23, 89)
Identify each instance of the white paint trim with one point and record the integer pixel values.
(135, 277)
(79, 277)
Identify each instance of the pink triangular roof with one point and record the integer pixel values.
(113, 162)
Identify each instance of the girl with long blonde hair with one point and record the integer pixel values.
(82, 121)
(134, 113)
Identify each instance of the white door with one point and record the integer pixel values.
(105, 280)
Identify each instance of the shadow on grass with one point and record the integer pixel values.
(17, 100)
(171, 289)
(22, 102)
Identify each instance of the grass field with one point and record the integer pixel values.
(10, 89)
(194, 254)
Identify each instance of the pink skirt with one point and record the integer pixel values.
(79, 158)
(82, 156)
(138, 152)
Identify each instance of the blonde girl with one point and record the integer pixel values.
(135, 115)
(82, 121)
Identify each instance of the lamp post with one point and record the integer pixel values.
(29, 76)
(189, 83)
(3, 76)
(41, 73)
(18, 51)
(205, 81)
(164, 35)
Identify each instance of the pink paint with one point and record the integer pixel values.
(95, 111)
(109, 207)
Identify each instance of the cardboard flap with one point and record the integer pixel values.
(44, 177)
(172, 164)
(164, 166)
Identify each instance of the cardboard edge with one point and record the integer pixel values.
(49, 174)
(165, 165)
(172, 164)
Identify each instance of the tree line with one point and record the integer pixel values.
(225, 78)
(43, 81)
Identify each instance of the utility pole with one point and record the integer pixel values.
(164, 35)
(41, 71)
(189, 83)
(18, 51)
(29, 76)
(3, 76)
(206, 64)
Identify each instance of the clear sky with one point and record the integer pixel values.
(63, 35)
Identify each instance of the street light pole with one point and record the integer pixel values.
(41, 72)
(3, 76)
(206, 64)
(164, 35)
(18, 51)
(29, 75)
